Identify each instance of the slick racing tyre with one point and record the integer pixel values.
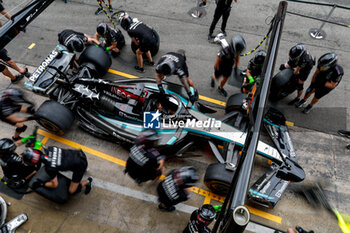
(154, 50)
(98, 57)
(54, 117)
(279, 84)
(217, 178)
(235, 102)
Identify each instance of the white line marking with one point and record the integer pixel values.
(154, 199)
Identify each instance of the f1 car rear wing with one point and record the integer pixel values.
(21, 19)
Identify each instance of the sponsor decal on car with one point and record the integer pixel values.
(43, 65)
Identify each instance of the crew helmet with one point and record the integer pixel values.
(187, 177)
(7, 146)
(166, 67)
(14, 94)
(125, 21)
(31, 156)
(76, 44)
(259, 57)
(237, 45)
(102, 29)
(297, 52)
(327, 61)
(206, 214)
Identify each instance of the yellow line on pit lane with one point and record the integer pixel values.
(31, 46)
(202, 97)
(208, 195)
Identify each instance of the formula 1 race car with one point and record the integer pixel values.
(120, 110)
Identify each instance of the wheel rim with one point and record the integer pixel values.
(50, 126)
(218, 186)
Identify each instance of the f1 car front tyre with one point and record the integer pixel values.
(217, 178)
(55, 117)
(154, 50)
(98, 57)
(235, 102)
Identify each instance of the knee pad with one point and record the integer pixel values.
(22, 129)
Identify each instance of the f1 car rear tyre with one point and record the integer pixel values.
(279, 83)
(154, 50)
(98, 57)
(217, 178)
(55, 117)
(235, 102)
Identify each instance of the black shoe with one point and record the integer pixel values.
(348, 147)
(293, 101)
(222, 91)
(300, 104)
(26, 73)
(148, 63)
(307, 109)
(166, 208)
(17, 78)
(210, 36)
(212, 82)
(344, 133)
(88, 187)
(224, 32)
(139, 69)
(98, 11)
(202, 4)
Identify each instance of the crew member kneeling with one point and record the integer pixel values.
(172, 190)
(145, 162)
(58, 160)
(253, 71)
(16, 172)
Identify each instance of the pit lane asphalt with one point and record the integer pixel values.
(321, 154)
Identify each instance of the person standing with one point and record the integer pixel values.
(175, 63)
(4, 12)
(3, 67)
(301, 61)
(13, 102)
(223, 9)
(326, 77)
(142, 36)
(145, 162)
(99, 9)
(227, 58)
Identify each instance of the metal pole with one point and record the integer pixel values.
(236, 217)
(318, 33)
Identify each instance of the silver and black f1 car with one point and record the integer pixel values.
(115, 110)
